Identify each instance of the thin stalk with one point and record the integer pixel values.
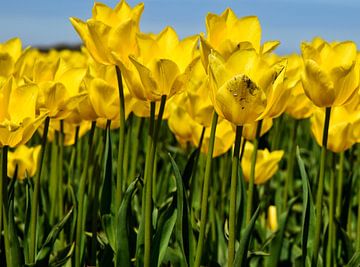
(119, 175)
(1, 197)
(61, 177)
(148, 180)
(205, 193)
(358, 220)
(340, 185)
(252, 173)
(81, 195)
(320, 190)
(330, 249)
(233, 191)
(135, 146)
(288, 190)
(4, 203)
(35, 198)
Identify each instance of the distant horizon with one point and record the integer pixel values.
(46, 24)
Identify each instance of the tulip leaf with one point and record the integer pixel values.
(355, 260)
(109, 228)
(43, 255)
(277, 242)
(242, 251)
(108, 182)
(182, 221)
(122, 241)
(308, 215)
(62, 256)
(166, 223)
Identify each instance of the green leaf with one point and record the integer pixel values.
(241, 253)
(308, 215)
(109, 228)
(107, 193)
(122, 242)
(62, 256)
(167, 220)
(44, 253)
(182, 220)
(277, 242)
(355, 260)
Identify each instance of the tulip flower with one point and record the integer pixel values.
(299, 106)
(10, 51)
(224, 138)
(159, 69)
(227, 33)
(18, 119)
(249, 130)
(25, 160)
(331, 74)
(59, 87)
(267, 163)
(196, 87)
(246, 88)
(272, 218)
(104, 33)
(343, 128)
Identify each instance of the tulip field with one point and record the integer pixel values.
(143, 149)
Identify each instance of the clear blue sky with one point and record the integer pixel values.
(45, 22)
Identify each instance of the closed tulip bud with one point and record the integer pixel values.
(10, 51)
(272, 218)
(267, 163)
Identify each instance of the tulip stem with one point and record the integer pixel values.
(81, 196)
(205, 191)
(120, 167)
(288, 190)
(149, 171)
(358, 220)
(35, 198)
(320, 189)
(233, 191)
(135, 146)
(330, 248)
(252, 173)
(340, 185)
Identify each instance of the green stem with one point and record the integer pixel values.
(288, 190)
(119, 176)
(252, 173)
(81, 194)
(135, 146)
(233, 191)
(35, 198)
(205, 193)
(358, 220)
(149, 168)
(320, 190)
(60, 178)
(330, 249)
(340, 185)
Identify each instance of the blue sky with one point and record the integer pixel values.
(45, 22)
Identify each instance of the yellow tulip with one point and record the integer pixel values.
(25, 159)
(18, 119)
(181, 124)
(10, 51)
(272, 218)
(227, 33)
(343, 128)
(224, 138)
(59, 86)
(331, 74)
(249, 130)
(160, 67)
(198, 103)
(106, 31)
(267, 163)
(245, 87)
